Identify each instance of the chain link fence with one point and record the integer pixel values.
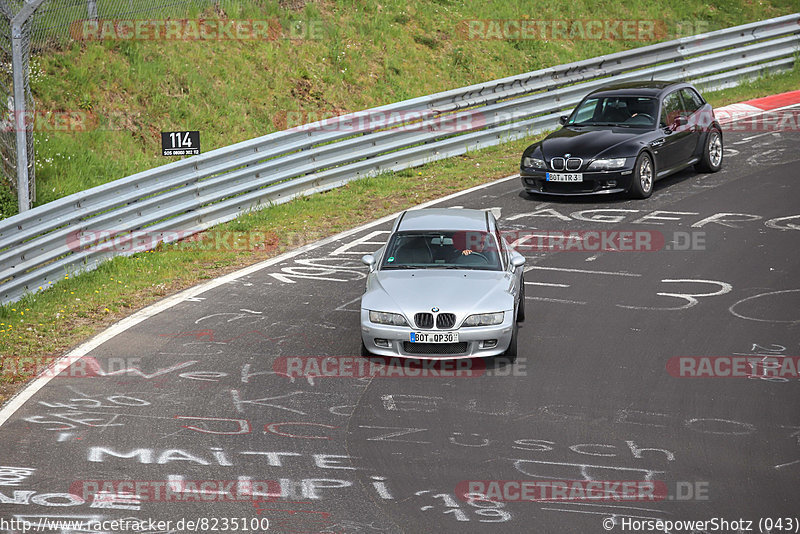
(48, 27)
(51, 25)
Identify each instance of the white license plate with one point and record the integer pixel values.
(434, 337)
(564, 177)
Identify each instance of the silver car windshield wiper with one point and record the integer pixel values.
(403, 266)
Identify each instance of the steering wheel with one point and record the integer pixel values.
(481, 256)
(645, 115)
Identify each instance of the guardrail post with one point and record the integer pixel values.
(19, 69)
(23, 186)
(91, 9)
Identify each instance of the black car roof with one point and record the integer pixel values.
(652, 88)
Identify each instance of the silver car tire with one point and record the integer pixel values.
(511, 352)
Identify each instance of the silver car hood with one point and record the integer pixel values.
(462, 292)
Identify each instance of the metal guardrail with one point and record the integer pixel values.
(40, 246)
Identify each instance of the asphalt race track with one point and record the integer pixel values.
(589, 398)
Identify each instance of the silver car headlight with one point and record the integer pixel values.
(535, 163)
(394, 319)
(484, 319)
(607, 164)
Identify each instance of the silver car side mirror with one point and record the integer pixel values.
(517, 261)
(368, 259)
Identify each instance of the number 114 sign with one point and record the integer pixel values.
(180, 143)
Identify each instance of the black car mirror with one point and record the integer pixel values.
(679, 121)
(562, 120)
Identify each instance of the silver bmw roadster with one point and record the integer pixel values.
(446, 285)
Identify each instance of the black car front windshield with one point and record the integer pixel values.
(442, 250)
(622, 111)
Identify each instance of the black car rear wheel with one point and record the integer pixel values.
(711, 160)
(643, 177)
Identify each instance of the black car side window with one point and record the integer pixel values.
(587, 111)
(692, 100)
(671, 108)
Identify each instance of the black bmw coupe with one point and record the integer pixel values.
(624, 137)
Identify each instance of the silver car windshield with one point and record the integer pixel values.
(442, 250)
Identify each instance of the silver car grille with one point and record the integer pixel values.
(427, 320)
(445, 320)
(423, 320)
(435, 348)
(571, 164)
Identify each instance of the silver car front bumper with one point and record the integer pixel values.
(395, 340)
